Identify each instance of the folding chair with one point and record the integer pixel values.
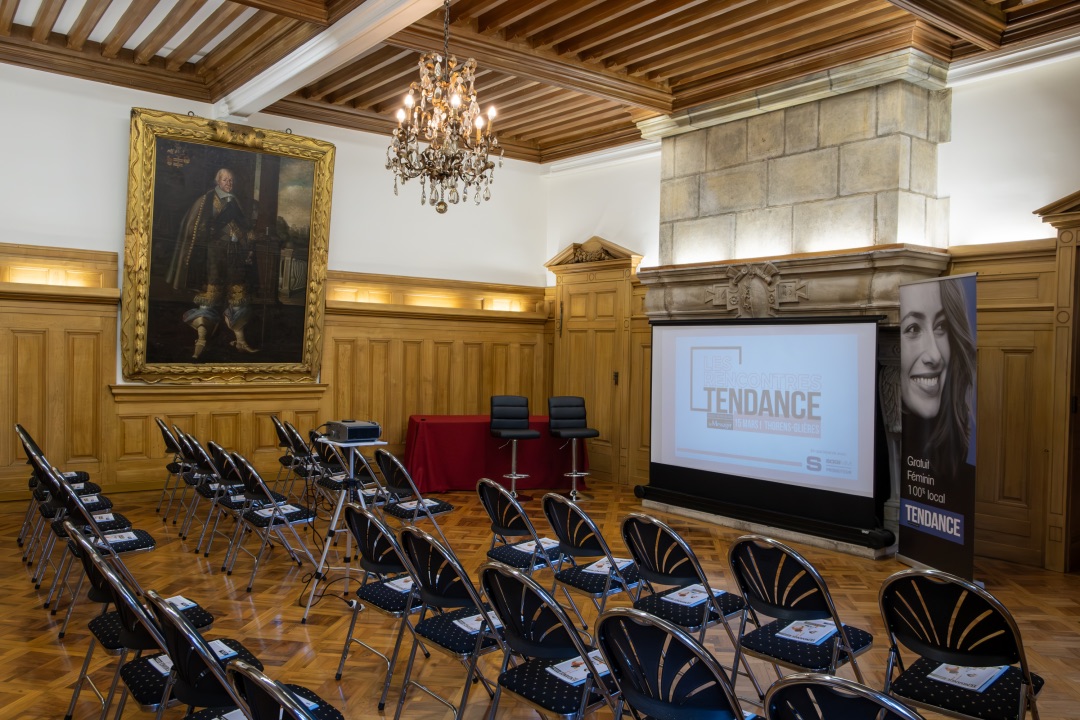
(662, 671)
(510, 522)
(210, 484)
(446, 591)
(286, 462)
(780, 583)
(403, 501)
(268, 516)
(957, 630)
(265, 699)
(579, 537)
(809, 696)
(127, 628)
(537, 632)
(173, 468)
(393, 591)
(221, 486)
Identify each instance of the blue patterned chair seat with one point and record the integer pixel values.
(1000, 701)
(688, 617)
(813, 658)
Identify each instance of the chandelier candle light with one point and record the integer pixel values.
(441, 110)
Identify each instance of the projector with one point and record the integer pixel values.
(353, 430)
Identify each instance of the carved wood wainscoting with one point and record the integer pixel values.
(57, 342)
(396, 347)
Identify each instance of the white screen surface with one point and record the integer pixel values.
(787, 403)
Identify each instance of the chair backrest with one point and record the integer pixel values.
(534, 624)
(297, 443)
(566, 412)
(811, 696)
(186, 444)
(949, 620)
(779, 582)
(282, 434)
(661, 554)
(135, 619)
(508, 518)
(193, 659)
(398, 481)
(255, 488)
(442, 580)
(171, 446)
(264, 699)
(662, 672)
(380, 551)
(205, 464)
(73, 504)
(509, 412)
(577, 533)
(28, 443)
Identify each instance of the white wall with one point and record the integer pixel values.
(1015, 146)
(64, 184)
(617, 200)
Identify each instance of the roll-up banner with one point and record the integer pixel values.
(937, 387)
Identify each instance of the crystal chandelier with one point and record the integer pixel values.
(441, 110)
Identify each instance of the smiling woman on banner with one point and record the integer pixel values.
(937, 372)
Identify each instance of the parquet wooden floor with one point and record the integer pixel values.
(37, 669)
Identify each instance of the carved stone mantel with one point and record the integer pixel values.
(851, 282)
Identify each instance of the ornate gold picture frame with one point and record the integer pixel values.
(225, 252)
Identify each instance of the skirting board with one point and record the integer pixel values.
(773, 532)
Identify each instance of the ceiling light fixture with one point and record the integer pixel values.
(441, 110)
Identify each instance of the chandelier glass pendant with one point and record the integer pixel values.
(441, 110)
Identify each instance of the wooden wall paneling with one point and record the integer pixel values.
(342, 376)
(640, 389)
(84, 400)
(475, 401)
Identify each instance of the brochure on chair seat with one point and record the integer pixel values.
(283, 510)
(103, 517)
(77, 486)
(402, 584)
(530, 545)
(161, 663)
(180, 602)
(969, 678)
(691, 595)
(603, 567)
(411, 504)
(472, 623)
(812, 632)
(113, 538)
(88, 499)
(573, 671)
(221, 650)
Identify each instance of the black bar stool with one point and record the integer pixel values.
(566, 420)
(510, 421)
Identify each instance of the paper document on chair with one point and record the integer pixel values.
(573, 671)
(691, 595)
(530, 545)
(472, 623)
(88, 499)
(603, 567)
(161, 663)
(221, 650)
(411, 505)
(71, 474)
(283, 510)
(969, 678)
(103, 517)
(234, 715)
(811, 632)
(309, 704)
(180, 602)
(237, 498)
(77, 486)
(401, 584)
(119, 537)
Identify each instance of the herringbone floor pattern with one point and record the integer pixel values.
(37, 669)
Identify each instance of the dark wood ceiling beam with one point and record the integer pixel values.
(86, 22)
(505, 88)
(534, 118)
(655, 12)
(284, 36)
(563, 127)
(895, 36)
(238, 47)
(356, 119)
(129, 22)
(1044, 22)
(835, 18)
(312, 11)
(521, 103)
(87, 64)
(974, 21)
(466, 10)
(498, 18)
(670, 29)
(379, 58)
(593, 141)
(207, 31)
(395, 74)
(45, 18)
(167, 29)
(547, 17)
(7, 15)
(545, 68)
(583, 22)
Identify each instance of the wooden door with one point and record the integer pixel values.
(1013, 453)
(590, 352)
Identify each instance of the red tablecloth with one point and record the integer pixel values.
(452, 452)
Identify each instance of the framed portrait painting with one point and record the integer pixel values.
(225, 251)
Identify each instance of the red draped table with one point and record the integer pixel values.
(452, 452)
